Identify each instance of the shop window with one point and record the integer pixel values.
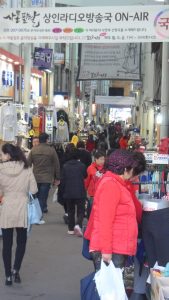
(116, 91)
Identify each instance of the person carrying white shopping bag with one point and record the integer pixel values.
(112, 228)
(109, 282)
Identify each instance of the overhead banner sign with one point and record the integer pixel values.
(109, 61)
(116, 101)
(107, 24)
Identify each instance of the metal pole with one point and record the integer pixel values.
(20, 82)
(164, 128)
(72, 87)
(151, 126)
(90, 104)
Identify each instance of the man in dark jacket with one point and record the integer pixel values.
(46, 169)
(84, 155)
(73, 191)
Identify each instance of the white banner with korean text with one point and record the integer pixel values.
(109, 61)
(107, 24)
(116, 101)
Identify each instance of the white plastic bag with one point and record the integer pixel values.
(34, 210)
(109, 283)
(55, 195)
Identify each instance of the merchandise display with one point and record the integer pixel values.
(62, 134)
(8, 122)
(160, 283)
(36, 125)
(153, 195)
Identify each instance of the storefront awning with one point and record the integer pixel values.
(17, 60)
(116, 101)
(10, 57)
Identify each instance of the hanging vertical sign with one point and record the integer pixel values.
(109, 61)
(42, 57)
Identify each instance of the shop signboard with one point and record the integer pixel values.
(109, 61)
(101, 24)
(156, 158)
(7, 78)
(87, 87)
(37, 2)
(137, 85)
(42, 57)
(93, 84)
(149, 157)
(161, 159)
(58, 58)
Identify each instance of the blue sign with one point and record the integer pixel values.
(7, 78)
(42, 57)
(37, 2)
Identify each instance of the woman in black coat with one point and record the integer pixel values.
(73, 191)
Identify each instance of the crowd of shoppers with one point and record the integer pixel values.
(85, 171)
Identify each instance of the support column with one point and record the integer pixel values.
(151, 126)
(72, 87)
(64, 80)
(50, 88)
(20, 84)
(82, 112)
(139, 110)
(107, 115)
(133, 112)
(27, 71)
(27, 77)
(144, 125)
(90, 104)
(51, 79)
(141, 119)
(164, 128)
(102, 114)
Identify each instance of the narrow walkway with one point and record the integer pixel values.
(53, 264)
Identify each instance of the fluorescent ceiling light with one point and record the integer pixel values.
(159, 0)
(10, 60)
(48, 71)
(3, 57)
(36, 75)
(16, 62)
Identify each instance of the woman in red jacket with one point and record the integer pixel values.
(112, 228)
